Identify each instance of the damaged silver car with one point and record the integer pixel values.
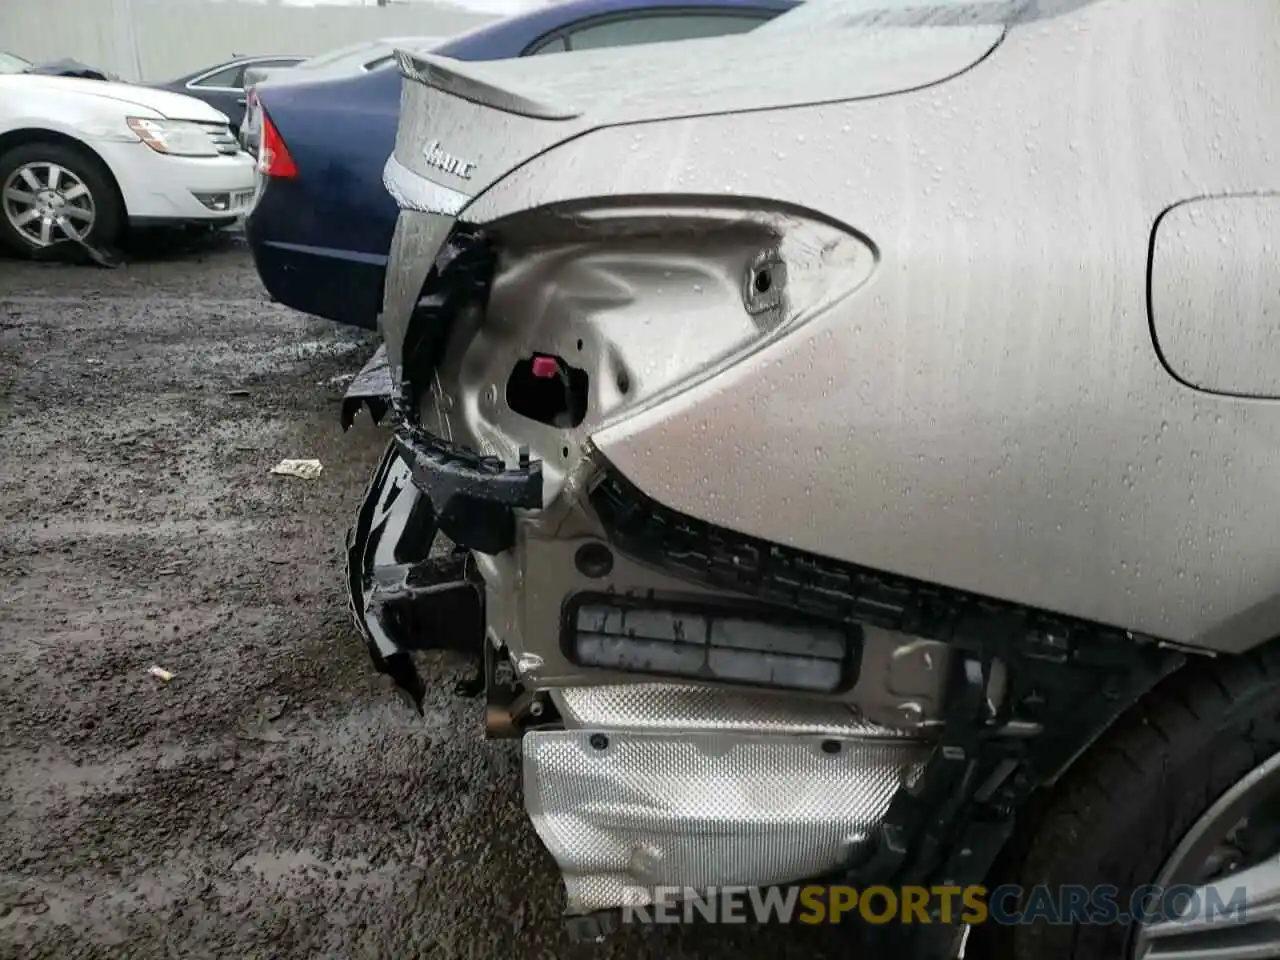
(849, 452)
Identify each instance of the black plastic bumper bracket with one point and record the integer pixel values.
(372, 388)
(474, 497)
(405, 593)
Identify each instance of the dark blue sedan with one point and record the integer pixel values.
(323, 222)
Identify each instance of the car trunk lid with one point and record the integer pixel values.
(465, 125)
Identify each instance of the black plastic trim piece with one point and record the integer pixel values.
(834, 589)
(474, 497)
(403, 594)
(372, 387)
(460, 275)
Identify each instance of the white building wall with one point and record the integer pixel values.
(160, 39)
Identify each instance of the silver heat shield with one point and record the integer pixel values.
(661, 785)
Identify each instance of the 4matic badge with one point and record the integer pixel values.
(447, 162)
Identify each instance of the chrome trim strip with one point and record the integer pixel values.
(414, 192)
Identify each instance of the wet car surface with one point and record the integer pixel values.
(274, 798)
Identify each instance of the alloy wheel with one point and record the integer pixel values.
(46, 202)
(1222, 882)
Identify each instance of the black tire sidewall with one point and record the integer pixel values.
(1117, 816)
(108, 211)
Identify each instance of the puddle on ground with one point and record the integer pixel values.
(281, 868)
(60, 529)
(61, 777)
(251, 361)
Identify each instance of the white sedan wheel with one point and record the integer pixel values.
(45, 202)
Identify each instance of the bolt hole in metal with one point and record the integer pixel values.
(45, 202)
(594, 560)
(599, 741)
(763, 287)
(830, 746)
(1222, 882)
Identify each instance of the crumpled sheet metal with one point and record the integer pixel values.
(634, 811)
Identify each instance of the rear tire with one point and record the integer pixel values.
(81, 199)
(1123, 808)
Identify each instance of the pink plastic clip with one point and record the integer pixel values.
(544, 368)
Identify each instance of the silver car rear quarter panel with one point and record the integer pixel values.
(984, 410)
(988, 412)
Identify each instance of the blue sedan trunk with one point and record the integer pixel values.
(320, 237)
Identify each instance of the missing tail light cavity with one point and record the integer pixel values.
(547, 389)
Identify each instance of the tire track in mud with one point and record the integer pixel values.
(273, 799)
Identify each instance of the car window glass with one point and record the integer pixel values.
(622, 32)
(230, 77)
(554, 45)
(275, 63)
(11, 63)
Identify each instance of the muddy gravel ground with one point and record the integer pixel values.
(273, 799)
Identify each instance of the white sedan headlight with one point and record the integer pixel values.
(178, 138)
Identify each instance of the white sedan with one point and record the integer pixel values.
(84, 160)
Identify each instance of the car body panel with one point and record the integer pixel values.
(1215, 305)
(359, 59)
(315, 239)
(157, 189)
(31, 95)
(321, 73)
(154, 187)
(320, 242)
(886, 362)
(68, 67)
(346, 61)
(988, 413)
(541, 103)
